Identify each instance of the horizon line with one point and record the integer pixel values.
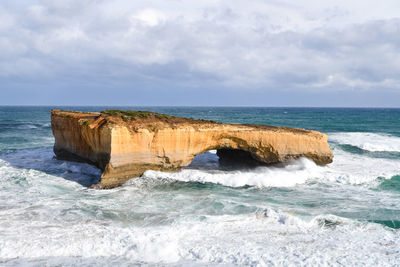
(200, 106)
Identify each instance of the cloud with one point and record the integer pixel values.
(254, 45)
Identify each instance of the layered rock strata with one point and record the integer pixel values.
(124, 144)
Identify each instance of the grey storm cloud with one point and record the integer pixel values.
(255, 45)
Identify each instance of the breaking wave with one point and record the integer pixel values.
(368, 141)
(347, 168)
(297, 172)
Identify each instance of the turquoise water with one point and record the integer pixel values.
(346, 213)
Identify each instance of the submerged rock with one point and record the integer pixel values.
(124, 144)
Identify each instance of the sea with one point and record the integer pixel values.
(346, 213)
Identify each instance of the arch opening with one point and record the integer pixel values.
(224, 159)
(236, 158)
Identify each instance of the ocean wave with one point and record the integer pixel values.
(347, 168)
(27, 127)
(373, 142)
(324, 221)
(22, 125)
(296, 172)
(392, 184)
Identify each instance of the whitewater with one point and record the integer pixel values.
(299, 213)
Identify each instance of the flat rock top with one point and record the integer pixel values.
(154, 120)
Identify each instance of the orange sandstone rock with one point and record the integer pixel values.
(124, 144)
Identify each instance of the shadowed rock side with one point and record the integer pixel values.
(124, 144)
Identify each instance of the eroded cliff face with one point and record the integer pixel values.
(125, 144)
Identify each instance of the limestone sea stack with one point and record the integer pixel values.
(124, 144)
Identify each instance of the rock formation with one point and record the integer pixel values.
(124, 144)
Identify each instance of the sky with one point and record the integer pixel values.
(200, 53)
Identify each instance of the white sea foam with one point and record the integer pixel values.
(268, 237)
(297, 172)
(48, 220)
(368, 141)
(348, 168)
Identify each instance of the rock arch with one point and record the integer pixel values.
(124, 147)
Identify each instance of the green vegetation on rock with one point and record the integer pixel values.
(132, 115)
